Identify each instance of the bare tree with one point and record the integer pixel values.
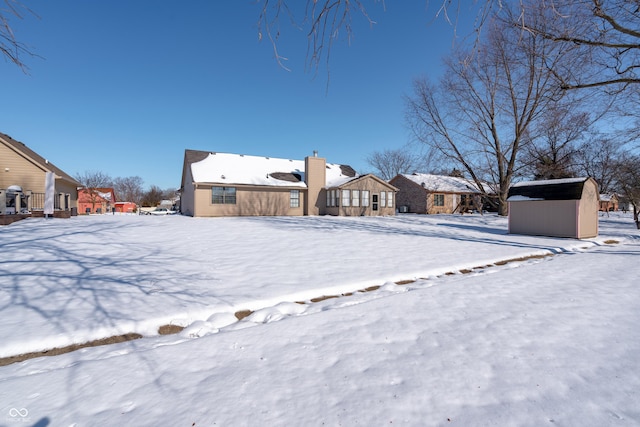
(389, 163)
(555, 140)
(129, 189)
(153, 196)
(481, 113)
(94, 179)
(599, 159)
(628, 183)
(604, 33)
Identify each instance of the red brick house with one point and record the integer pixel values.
(96, 200)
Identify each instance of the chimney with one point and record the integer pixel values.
(315, 176)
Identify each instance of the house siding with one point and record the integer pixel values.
(187, 196)
(375, 187)
(21, 172)
(18, 169)
(250, 201)
(410, 194)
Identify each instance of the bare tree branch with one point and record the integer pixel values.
(12, 49)
(606, 34)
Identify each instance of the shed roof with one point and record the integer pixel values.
(551, 189)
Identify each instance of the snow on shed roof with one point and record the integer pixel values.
(238, 169)
(549, 182)
(449, 184)
(550, 189)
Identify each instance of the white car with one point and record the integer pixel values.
(161, 211)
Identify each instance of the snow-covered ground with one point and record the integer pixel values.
(542, 341)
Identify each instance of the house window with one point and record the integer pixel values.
(375, 202)
(365, 198)
(383, 199)
(438, 200)
(346, 197)
(334, 197)
(223, 195)
(328, 198)
(355, 198)
(390, 199)
(294, 199)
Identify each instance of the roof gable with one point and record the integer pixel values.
(35, 158)
(364, 178)
(552, 189)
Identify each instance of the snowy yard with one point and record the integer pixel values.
(465, 339)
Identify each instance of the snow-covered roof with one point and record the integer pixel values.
(105, 196)
(449, 184)
(238, 169)
(549, 182)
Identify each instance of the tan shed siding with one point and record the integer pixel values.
(588, 211)
(315, 178)
(544, 217)
(21, 172)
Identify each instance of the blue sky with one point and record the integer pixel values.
(124, 87)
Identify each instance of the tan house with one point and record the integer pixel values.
(556, 208)
(223, 184)
(23, 175)
(433, 194)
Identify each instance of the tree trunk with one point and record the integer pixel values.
(503, 205)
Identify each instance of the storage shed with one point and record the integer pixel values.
(556, 208)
